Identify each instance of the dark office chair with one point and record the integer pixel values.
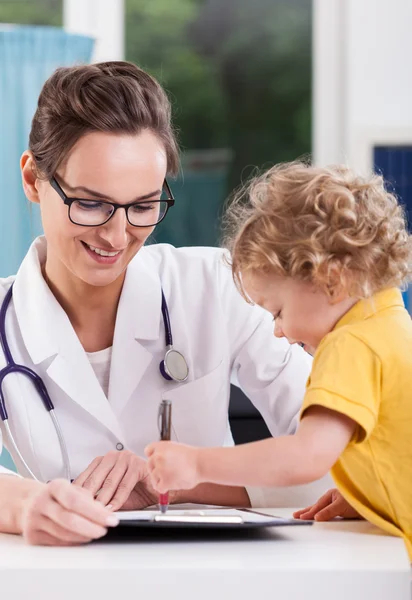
(245, 420)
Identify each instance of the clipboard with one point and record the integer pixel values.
(209, 518)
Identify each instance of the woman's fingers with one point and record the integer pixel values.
(112, 478)
(42, 538)
(122, 479)
(68, 536)
(80, 480)
(102, 470)
(78, 503)
(70, 526)
(62, 514)
(118, 494)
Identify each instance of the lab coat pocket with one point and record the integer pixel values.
(200, 408)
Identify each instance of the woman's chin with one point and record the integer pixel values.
(101, 279)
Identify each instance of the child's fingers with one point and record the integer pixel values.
(298, 513)
(329, 512)
(149, 450)
(309, 513)
(157, 483)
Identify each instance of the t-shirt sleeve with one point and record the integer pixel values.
(346, 377)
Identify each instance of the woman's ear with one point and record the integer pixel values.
(29, 176)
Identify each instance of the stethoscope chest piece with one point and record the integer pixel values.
(174, 366)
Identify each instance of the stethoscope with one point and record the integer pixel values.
(173, 368)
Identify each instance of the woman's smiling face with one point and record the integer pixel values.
(116, 167)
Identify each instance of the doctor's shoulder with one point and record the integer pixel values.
(196, 264)
(206, 271)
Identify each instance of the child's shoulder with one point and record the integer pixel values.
(387, 334)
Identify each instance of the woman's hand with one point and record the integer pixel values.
(330, 505)
(118, 480)
(59, 514)
(172, 466)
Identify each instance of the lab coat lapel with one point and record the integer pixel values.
(138, 320)
(72, 372)
(47, 333)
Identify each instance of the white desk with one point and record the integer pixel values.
(327, 561)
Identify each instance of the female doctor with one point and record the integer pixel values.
(92, 310)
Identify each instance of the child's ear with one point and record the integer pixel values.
(29, 176)
(337, 286)
(337, 294)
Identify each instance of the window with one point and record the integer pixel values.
(239, 75)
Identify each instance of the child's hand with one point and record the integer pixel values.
(330, 505)
(172, 466)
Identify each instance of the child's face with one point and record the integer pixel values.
(303, 313)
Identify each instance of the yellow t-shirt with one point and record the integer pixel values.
(363, 369)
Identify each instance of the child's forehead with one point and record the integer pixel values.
(269, 288)
(263, 287)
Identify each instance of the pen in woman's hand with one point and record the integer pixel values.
(165, 426)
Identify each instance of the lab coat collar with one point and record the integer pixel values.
(139, 311)
(36, 307)
(141, 299)
(47, 332)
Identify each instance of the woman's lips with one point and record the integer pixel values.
(99, 258)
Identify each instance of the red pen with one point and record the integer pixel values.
(165, 426)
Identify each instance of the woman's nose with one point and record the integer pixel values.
(115, 230)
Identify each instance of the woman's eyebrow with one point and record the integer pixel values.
(105, 196)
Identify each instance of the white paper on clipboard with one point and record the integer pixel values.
(204, 516)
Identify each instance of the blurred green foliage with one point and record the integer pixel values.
(239, 73)
(239, 76)
(32, 12)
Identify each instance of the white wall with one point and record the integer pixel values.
(362, 78)
(101, 19)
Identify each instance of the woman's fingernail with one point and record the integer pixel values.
(112, 521)
(109, 506)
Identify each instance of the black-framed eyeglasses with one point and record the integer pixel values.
(92, 213)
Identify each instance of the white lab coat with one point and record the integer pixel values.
(223, 339)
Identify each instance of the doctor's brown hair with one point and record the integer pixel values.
(113, 97)
(326, 226)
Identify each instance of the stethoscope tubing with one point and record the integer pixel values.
(13, 367)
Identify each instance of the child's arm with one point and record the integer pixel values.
(289, 460)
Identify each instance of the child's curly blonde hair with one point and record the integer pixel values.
(327, 226)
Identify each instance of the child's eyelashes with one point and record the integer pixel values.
(276, 315)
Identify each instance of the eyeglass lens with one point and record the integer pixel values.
(143, 214)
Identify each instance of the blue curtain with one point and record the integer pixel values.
(28, 55)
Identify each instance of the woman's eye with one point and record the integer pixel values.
(89, 205)
(143, 207)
